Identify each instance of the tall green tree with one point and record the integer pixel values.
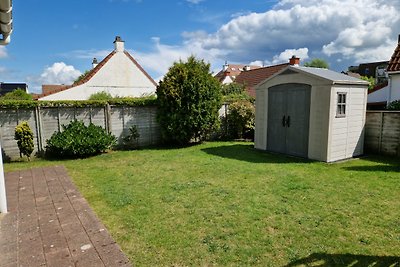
(317, 63)
(189, 98)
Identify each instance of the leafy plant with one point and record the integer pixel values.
(189, 98)
(233, 89)
(394, 105)
(101, 96)
(241, 119)
(317, 63)
(24, 136)
(81, 77)
(18, 94)
(76, 140)
(130, 141)
(370, 80)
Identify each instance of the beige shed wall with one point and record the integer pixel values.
(319, 114)
(346, 137)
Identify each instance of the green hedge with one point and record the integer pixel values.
(27, 104)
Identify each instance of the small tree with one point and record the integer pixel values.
(18, 94)
(317, 63)
(189, 98)
(370, 80)
(82, 76)
(233, 89)
(24, 136)
(130, 141)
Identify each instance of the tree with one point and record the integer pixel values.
(317, 63)
(233, 89)
(24, 136)
(18, 94)
(82, 76)
(370, 80)
(189, 98)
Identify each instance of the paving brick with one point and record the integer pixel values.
(50, 224)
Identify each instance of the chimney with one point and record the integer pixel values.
(94, 63)
(247, 68)
(119, 44)
(225, 66)
(294, 61)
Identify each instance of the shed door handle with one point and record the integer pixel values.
(284, 121)
(288, 121)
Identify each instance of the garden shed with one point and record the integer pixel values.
(312, 113)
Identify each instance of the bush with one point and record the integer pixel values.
(18, 94)
(241, 119)
(394, 105)
(233, 89)
(131, 140)
(76, 140)
(101, 96)
(24, 136)
(189, 98)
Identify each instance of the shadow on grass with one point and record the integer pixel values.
(378, 164)
(325, 260)
(247, 152)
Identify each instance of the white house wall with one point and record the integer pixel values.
(119, 77)
(347, 133)
(395, 86)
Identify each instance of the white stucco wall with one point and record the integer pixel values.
(395, 86)
(119, 77)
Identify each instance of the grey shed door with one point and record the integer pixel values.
(288, 119)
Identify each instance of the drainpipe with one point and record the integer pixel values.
(389, 97)
(3, 199)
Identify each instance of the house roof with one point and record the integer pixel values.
(52, 89)
(251, 78)
(6, 25)
(232, 70)
(394, 63)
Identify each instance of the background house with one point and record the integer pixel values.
(312, 113)
(382, 95)
(118, 74)
(230, 72)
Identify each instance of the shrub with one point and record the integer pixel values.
(101, 96)
(241, 119)
(130, 141)
(24, 136)
(189, 98)
(18, 94)
(394, 105)
(233, 89)
(76, 140)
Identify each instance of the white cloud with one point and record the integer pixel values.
(284, 56)
(3, 52)
(59, 73)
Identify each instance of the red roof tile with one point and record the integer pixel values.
(250, 79)
(394, 63)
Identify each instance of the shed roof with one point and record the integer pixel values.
(319, 73)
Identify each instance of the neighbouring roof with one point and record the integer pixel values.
(232, 70)
(52, 89)
(394, 63)
(251, 78)
(6, 26)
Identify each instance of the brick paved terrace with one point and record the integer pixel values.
(50, 224)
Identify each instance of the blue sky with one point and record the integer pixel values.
(54, 41)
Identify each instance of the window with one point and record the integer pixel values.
(341, 105)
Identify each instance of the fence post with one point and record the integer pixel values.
(39, 129)
(3, 197)
(380, 134)
(107, 116)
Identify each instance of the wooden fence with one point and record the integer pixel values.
(45, 121)
(382, 132)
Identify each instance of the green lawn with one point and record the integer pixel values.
(225, 203)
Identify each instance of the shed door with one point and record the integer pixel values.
(288, 119)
